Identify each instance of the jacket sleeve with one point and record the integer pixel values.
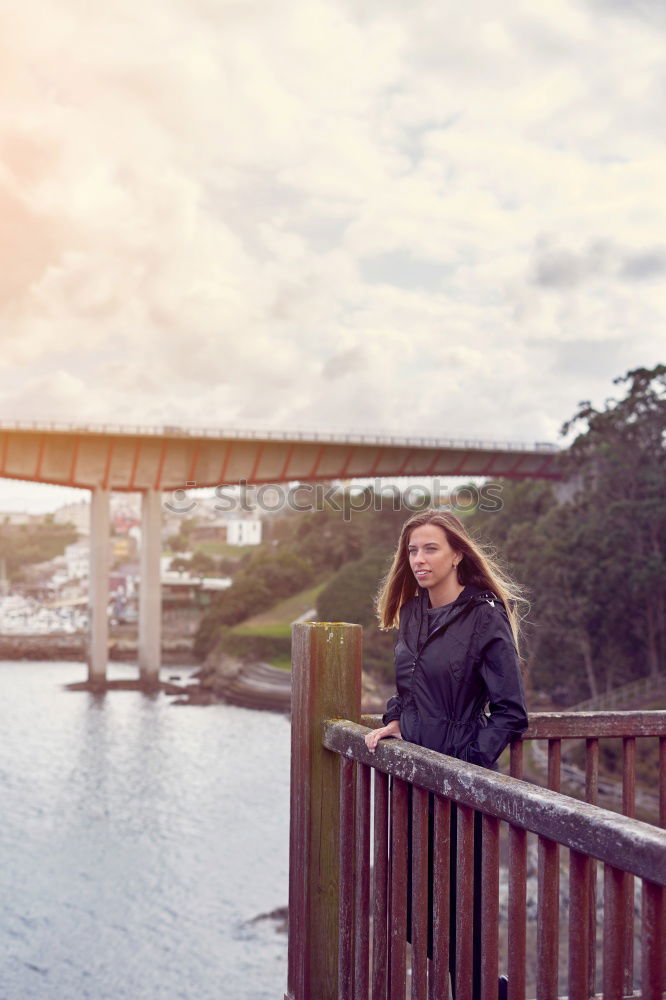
(500, 671)
(393, 709)
(395, 704)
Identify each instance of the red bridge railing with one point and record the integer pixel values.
(349, 918)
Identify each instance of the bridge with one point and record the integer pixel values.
(151, 460)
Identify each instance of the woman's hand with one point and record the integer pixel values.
(375, 735)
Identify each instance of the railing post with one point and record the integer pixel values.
(326, 684)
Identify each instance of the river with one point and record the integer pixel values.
(137, 840)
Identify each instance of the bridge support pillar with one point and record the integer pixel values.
(98, 591)
(150, 593)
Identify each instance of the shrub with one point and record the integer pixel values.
(350, 595)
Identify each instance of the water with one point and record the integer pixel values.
(137, 839)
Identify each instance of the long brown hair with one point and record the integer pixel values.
(477, 566)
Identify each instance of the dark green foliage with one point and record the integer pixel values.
(33, 543)
(344, 529)
(305, 547)
(207, 633)
(326, 540)
(350, 595)
(595, 566)
(178, 543)
(202, 564)
(253, 648)
(378, 652)
(523, 501)
(227, 565)
(264, 579)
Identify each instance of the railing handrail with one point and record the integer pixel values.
(627, 844)
(330, 918)
(582, 725)
(267, 434)
(644, 685)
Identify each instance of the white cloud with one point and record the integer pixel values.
(314, 214)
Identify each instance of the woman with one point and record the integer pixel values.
(456, 650)
(455, 654)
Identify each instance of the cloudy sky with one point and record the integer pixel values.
(425, 217)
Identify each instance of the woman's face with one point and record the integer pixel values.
(431, 558)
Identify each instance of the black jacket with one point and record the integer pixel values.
(450, 663)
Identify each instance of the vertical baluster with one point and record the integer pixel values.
(592, 771)
(555, 783)
(629, 809)
(346, 926)
(464, 903)
(439, 973)
(592, 796)
(548, 920)
(516, 759)
(629, 776)
(389, 914)
(660, 908)
(613, 911)
(548, 915)
(653, 929)
(554, 764)
(380, 889)
(517, 914)
(362, 894)
(662, 781)
(517, 907)
(419, 928)
(580, 867)
(398, 925)
(490, 908)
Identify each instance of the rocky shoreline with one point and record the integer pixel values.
(222, 678)
(248, 685)
(73, 647)
(258, 685)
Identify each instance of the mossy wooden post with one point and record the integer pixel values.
(326, 684)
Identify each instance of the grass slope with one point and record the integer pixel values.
(283, 613)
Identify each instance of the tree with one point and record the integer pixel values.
(34, 543)
(594, 565)
(350, 597)
(350, 594)
(621, 454)
(178, 543)
(201, 564)
(264, 579)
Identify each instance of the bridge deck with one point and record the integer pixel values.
(166, 458)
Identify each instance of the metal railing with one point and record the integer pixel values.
(282, 435)
(349, 920)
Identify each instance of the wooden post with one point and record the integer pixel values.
(326, 684)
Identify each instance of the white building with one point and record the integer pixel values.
(77, 557)
(14, 518)
(243, 531)
(77, 514)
